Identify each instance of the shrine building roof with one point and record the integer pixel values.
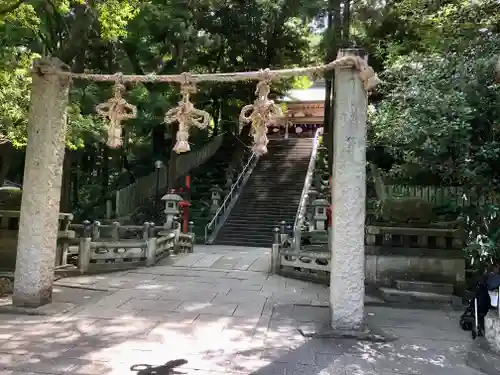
(315, 93)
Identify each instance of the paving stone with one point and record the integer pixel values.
(114, 300)
(243, 297)
(261, 264)
(163, 305)
(207, 308)
(245, 262)
(240, 275)
(305, 313)
(76, 296)
(188, 260)
(92, 367)
(12, 372)
(207, 261)
(253, 310)
(191, 295)
(227, 262)
(247, 295)
(248, 285)
(163, 313)
(39, 364)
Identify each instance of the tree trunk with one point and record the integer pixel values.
(5, 158)
(175, 127)
(346, 24)
(172, 170)
(105, 171)
(65, 205)
(75, 184)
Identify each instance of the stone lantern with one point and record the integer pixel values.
(229, 180)
(320, 216)
(216, 198)
(171, 207)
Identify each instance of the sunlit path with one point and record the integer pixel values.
(218, 310)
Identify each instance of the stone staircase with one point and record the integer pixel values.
(272, 194)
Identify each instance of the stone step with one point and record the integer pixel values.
(244, 241)
(240, 220)
(246, 235)
(267, 209)
(274, 191)
(255, 215)
(271, 195)
(424, 286)
(416, 299)
(242, 228)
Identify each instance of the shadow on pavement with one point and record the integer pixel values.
(166, 369)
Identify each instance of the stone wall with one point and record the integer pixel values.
(419, 254)
(391, 253)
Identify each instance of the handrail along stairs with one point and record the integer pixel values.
(228, 203)
(301, 210)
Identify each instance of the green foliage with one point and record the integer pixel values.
(483, 228)
(142, 37)
(439, 114)
(14, 94)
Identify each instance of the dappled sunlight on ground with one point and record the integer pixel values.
(185, 320)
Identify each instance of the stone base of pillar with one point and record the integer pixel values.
(53, 308)
(367, 332)
(482, 357)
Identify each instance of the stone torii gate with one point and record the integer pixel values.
(38, 225)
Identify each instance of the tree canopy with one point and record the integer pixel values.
(435, 120)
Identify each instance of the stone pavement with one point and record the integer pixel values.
(220, 313)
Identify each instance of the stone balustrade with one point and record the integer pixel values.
(391, 253)
(112, 247)
(96, 247)
(406, 253)
(9, 226)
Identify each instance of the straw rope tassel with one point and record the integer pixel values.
(261, 113)
(186, 115)
(116, 110)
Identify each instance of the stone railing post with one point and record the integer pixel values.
(96, 230)
(283, 235)
(282, 226)
(38, 224)
(85, 249)
(150, 238)
(347, 288)
(115, 231)
(275, 252)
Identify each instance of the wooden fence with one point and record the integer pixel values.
(136, 194)
(440, 196)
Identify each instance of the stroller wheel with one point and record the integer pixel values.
(466, 326)
(466, 323)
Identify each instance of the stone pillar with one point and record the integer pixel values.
(347, 289)
(38, 225)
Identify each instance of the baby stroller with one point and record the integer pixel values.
(485, 298)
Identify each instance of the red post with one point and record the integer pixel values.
(185, 215)
(188, 198)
